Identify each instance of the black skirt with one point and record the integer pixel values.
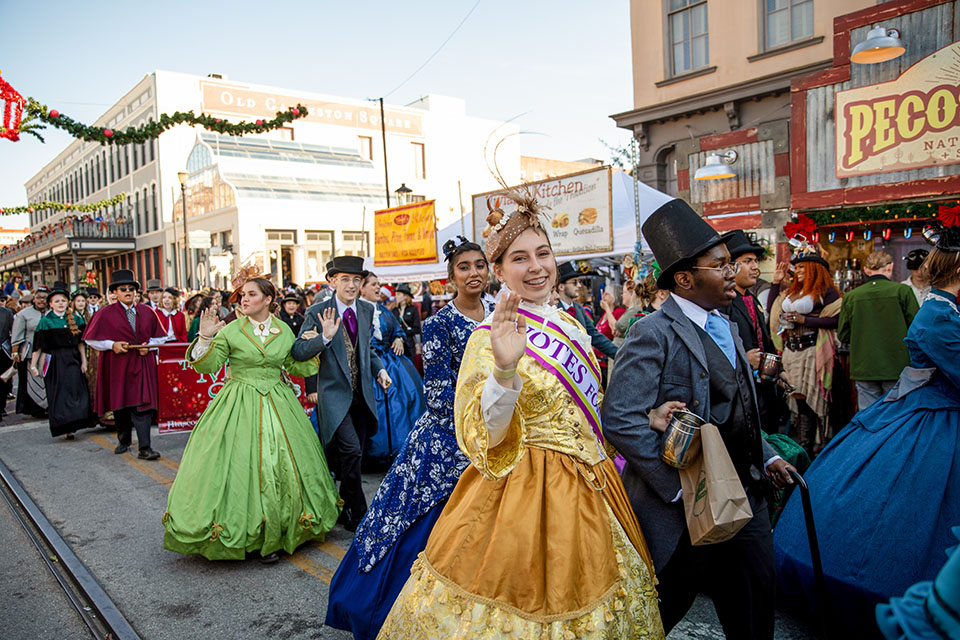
(68, 400)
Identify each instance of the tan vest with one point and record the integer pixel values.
(353, 360)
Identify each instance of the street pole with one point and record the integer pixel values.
(186, 264)
(383, 133)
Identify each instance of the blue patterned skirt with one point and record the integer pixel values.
(359, 602)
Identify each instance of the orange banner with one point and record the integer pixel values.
(237, 100)
(405, 235)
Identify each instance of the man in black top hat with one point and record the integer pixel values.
(338, 331)
(748, 316)
(688, 352)
(406, 312)
(93, 299)
(290, 311)
(127, 381)
(568, 288)
(155, 293)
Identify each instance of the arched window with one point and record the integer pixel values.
(146, 214)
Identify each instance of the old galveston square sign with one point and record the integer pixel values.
(907, 123)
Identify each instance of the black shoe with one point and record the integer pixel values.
(69, 436)
(272, 558)
(121, 448)
(148, 454)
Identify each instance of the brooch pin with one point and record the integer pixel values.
(274, 330)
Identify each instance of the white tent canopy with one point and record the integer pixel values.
(624, 232)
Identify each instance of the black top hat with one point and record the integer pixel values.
(121, 277)
(568, 271)
(915, 258)
(676, 234)
(404, 288)
(346, 264)
(60, 288)
(154, 285)
(93, 291)
(739, 244)
(811, 257)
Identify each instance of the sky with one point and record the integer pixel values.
(564, 65)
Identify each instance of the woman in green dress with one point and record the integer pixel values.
(253, 478)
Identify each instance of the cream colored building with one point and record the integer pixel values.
(286, 200)
(704, 68)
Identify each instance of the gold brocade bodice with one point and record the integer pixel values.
(545, 416)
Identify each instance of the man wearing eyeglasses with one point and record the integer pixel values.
(127, 382)
(339, 332)
(688, 352)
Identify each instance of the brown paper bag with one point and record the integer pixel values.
(715, 503)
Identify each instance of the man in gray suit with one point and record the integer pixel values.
(343, 390)
(688, 352)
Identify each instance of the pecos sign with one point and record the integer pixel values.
(907, 123)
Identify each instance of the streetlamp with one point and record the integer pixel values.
(182, 176)
(402, 193)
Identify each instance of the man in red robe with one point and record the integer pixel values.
(126, 378)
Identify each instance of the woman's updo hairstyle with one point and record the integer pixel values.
(268, 290)
(454, 248)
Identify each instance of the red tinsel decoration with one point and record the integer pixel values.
(13, 104)
(804, 226)
(949, 216)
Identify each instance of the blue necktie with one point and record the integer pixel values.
(719, 329)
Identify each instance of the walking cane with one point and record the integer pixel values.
(819, 583)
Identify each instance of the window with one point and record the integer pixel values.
(153, 206)
(366, 147)
(283, 237)
(412, 198)
(419, 161)
(687, 24)
(226, 240)
(355, 243)
(319, 251)
(787, 20)
(150, 149)
(146, 214)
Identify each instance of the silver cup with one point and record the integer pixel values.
(681, 440)
(770, 367)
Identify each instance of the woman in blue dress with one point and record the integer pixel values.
(403, 403)
(417, 487)
(886, 490)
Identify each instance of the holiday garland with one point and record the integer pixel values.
(152, 129)
(64, 206)
(904, 212)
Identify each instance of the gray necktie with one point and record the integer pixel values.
(132, 319)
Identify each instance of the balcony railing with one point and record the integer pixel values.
(75, 227)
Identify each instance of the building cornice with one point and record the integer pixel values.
(715, 98)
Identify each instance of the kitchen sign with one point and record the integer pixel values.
(577, 211)
(907, 123)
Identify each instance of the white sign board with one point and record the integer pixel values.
(200, 240)
(577, 211)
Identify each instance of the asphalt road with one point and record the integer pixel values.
(108, 507)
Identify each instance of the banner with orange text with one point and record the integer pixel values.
(405, 235)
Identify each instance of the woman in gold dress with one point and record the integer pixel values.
(538, 539)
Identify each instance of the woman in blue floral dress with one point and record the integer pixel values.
(425, 472)
(402, 403)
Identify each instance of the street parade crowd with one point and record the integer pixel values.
(540, 443)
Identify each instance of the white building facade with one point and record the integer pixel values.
(286, 201)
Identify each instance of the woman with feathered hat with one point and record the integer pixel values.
(538, 538)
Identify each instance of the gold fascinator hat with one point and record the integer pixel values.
(244, 274)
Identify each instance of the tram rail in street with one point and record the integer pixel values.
(94, 606)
